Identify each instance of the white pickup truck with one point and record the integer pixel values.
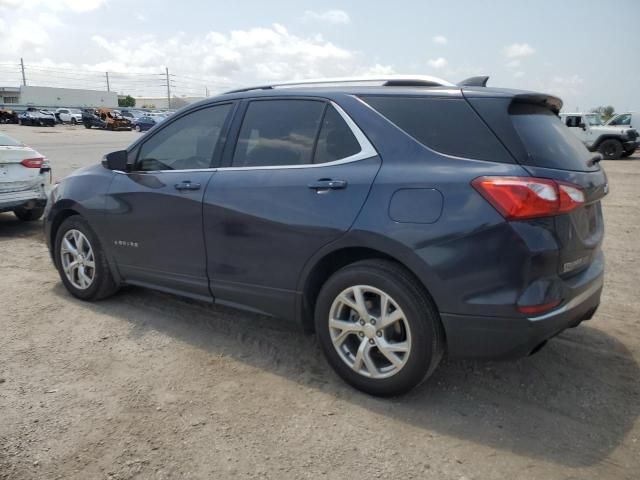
(613, 141)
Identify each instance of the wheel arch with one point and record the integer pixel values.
(328, 261)
(57, 220)
(602, 138)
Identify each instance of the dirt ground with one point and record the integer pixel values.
(150, 386)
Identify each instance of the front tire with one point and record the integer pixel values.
(81, 261)
(379, 330)
(28, 214)
(611, 149)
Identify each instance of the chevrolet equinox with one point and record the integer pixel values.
(400, 220)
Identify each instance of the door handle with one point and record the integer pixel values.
(327, 184)
(187, 185)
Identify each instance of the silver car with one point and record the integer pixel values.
(25, 179)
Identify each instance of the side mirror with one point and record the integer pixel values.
(582, 125)
(116, 160)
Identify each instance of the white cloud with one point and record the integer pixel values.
(378, 69)
(514, 63)
(438, 63)
(517, 50)
(334, 17)
(58, 5)
(518, 74)
(440, 40)
(236, 57)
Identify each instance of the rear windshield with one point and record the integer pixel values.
(549, 143)
(447, 125)
(7, 141)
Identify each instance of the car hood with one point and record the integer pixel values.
(614, 130)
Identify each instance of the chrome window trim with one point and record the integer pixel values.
(366, 151)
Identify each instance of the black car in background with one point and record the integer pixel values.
(143, 123)
(38, 118)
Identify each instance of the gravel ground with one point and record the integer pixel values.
(146, 385)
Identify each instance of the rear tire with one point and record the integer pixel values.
(87, 125)
(413, 341)
(73, 121)
(94, 263)
(28, 214)
(611, 149)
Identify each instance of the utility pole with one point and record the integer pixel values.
(206, 92)
(24, 78)
(108, 87)
(166, 71)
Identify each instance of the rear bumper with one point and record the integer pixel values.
(26, 198)
(631, 145)
(504, 338)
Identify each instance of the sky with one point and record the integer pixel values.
(585, 51)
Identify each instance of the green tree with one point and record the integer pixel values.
(127, 101)
(605, 112)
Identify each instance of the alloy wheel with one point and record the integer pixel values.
(78, 260)
(370, 331)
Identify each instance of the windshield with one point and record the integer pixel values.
(7, 141)
(594, 120)
(624, 119)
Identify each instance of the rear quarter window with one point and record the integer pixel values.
(446, 125)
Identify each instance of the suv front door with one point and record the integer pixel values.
(155, 210)
(294, 181)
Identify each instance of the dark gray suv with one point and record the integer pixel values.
(400, 221)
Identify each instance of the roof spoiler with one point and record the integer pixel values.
(549, 101)
(480, 81)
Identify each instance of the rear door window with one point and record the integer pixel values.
(336, 140)
(548, 142)
(278, 132)
(447, 125)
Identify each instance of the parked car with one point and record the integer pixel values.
(131, 115)
(25, 178)
(399, 222)
(69, 115)
(612, 141)
(104, 118)
(144, 123)
(35, 117)
(8, 116)
(158, 116)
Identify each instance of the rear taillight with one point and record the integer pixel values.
(519, 198)
(33, 162)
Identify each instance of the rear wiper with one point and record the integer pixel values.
(595, 159)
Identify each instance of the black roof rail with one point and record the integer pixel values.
(479, 81)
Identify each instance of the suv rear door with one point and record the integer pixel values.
(295, 175)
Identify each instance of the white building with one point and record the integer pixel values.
(57, 97)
